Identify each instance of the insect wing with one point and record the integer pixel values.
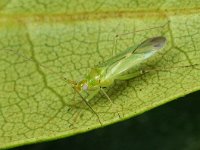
(151, 45)
(117, 58)
(132, 58)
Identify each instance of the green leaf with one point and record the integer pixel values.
(43, 41)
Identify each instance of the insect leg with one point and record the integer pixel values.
(109, 99)
(133, 32)
(148, 70)
(86, 102)
(91, 94)
(151, 28)
(106, 95)
(170, 68)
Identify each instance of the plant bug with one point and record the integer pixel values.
(115, 68)
(123, 66)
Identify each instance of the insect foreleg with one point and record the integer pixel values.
(109, 99)
(106, 95)
(91, 94)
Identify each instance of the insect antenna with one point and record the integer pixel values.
(30, 59)
(70, 82)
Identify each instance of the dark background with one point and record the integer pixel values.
(173, 126)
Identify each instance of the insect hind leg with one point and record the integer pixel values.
(118, 36)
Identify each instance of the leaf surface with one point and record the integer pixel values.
(43, 41)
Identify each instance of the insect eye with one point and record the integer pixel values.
(85, 87)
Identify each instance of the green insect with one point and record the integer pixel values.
(118, 67)
(123, 66)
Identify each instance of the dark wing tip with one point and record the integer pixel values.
(151, 44)
(158, 42)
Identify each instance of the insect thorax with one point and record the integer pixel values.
(93, 78)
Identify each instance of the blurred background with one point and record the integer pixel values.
(173, 126)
